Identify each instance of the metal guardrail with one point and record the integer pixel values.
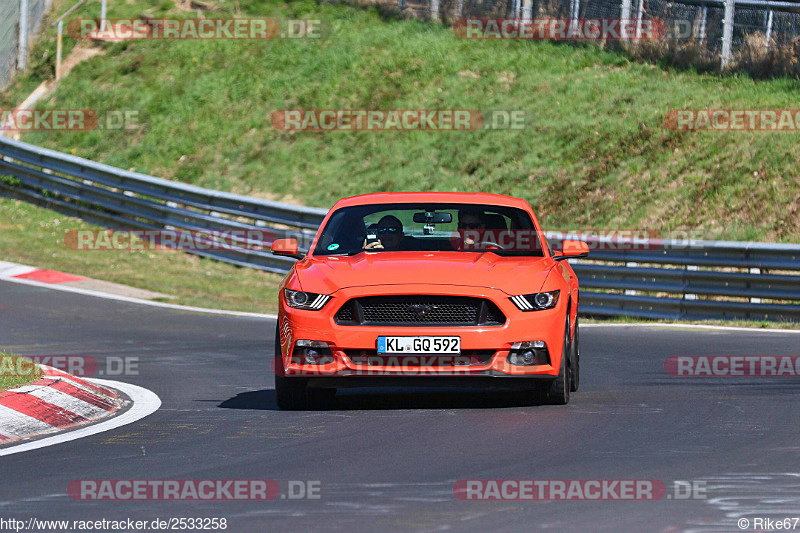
(694, 280)
(118, 198)
(675, 279)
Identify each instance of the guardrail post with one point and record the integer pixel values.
(631, 292)
(689, 296)
(755, 270)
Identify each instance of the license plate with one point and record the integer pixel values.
(425, 345)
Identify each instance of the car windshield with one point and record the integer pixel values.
(429, 227)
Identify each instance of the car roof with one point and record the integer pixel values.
(478, 198)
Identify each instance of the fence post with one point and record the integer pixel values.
(574, 13)
(727, 34)
(639, 13)
(527, 9)
(769, 29)
(435, 10)
(58, 49)
(703, 19)
(103, 16)
(22, 54)
(625, 13)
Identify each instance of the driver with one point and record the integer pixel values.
(471, 223)
(390, 234)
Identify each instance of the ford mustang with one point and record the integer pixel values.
(434, 289)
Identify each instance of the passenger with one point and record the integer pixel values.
(390, 235)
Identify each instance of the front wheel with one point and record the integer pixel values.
(575, 360)
(556, 392)
(293, 393)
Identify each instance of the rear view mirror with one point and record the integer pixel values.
(432, 217)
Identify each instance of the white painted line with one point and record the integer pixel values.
(145, 403)
(17, 270)
(108, 296)
(22, 423)
(693, 326)
(68, 403)
(140, 301)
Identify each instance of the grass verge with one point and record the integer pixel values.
(17, 371)
(34, 236)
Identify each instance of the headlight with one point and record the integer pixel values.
(306, 300)
(537, 301)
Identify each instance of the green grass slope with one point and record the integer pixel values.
(596, 154)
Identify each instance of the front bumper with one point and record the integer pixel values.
(485, 349)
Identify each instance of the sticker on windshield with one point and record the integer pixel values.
(333, 247)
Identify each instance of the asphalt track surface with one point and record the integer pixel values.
(387, 459)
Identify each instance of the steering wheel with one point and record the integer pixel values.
(486, 245)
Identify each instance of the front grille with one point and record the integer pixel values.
(419, 310)
(465, 358)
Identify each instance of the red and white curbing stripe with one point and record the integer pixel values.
(13, 270)
(56, 401)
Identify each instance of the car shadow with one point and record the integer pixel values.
(386, 398)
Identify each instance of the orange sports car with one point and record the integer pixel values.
(427, 288)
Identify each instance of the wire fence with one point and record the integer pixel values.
(14, 14)
(758, 26)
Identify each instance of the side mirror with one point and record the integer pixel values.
(573, 249)
(286, 247)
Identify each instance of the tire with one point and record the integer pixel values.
(556, 392)
(293, 394)
(290, 393)
(575, 360)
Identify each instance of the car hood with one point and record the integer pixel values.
(513, 275)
